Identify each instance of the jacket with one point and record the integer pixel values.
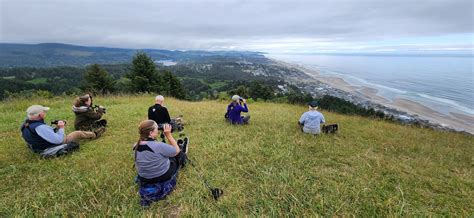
(86, 117)
(234, 110)
(159, 114)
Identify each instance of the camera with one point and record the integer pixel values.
(330, 128)
(176, 124)
(99, 108)
(55, 122)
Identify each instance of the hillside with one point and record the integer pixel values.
(370, 168)
(57, 54)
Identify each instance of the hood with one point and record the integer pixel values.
(80, 109)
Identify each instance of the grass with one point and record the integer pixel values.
(39, 80)
(370, 168)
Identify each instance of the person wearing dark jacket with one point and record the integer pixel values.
(42, 138)
(88, 119)
(158, 112)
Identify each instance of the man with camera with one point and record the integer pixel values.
(43, 139)
(310, 120)
(158, 112)
(160, 115)
(234, 109)
(88, 116)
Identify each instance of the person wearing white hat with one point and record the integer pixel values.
(234, 109)
(42, 138)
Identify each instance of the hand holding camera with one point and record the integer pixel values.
(167, 129)
(99, 108)
(59, 124)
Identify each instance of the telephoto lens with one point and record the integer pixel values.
(174, 126)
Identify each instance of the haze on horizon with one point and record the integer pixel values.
(279, 26)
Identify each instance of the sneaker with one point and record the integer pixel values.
(185, 145)
(99, 131)
(180, 143)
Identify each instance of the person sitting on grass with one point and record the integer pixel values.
(47, 141)
(158, 112)
(234, 109)
(88, 118)
(310, 121)
(157, 163)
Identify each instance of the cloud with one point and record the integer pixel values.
(246, 25)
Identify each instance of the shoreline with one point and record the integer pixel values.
(405, 110)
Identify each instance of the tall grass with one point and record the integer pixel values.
(370, 168)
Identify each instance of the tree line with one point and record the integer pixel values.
(196, 82)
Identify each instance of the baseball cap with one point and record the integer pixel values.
(313, 104)
(36, 109)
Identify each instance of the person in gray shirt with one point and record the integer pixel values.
(157, 161)
(310, 121)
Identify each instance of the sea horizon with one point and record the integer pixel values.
(443, 83)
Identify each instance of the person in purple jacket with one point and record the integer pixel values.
(234, 109)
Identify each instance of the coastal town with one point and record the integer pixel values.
(300, 77)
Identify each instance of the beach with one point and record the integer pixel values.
(414, 110)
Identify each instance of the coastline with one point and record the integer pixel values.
(405, 110)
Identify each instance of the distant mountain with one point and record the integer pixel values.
(56, 54)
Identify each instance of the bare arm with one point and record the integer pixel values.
(169, 136)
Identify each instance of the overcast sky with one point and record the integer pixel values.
(272, 26)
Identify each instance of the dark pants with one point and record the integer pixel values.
(176, 163)
(245, 119)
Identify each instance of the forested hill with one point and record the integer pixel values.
(56, 54)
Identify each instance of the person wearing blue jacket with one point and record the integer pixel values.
(310, 120)
(237, 106)
(43, 139)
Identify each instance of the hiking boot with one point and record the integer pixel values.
(99, 131)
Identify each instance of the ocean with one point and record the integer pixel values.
(443, 83)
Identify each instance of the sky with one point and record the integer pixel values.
(275, 26)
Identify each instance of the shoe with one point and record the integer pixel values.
(102, 123)
(185, 145)
(99, 131)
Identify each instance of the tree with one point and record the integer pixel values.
(242, 91)
(143, 75)
(260, 90)
(171, 85)
(98, 80)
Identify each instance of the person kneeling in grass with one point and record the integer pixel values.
(45, 140)
(310, 121)
(157, 163)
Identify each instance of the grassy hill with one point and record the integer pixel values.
(370, 168)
